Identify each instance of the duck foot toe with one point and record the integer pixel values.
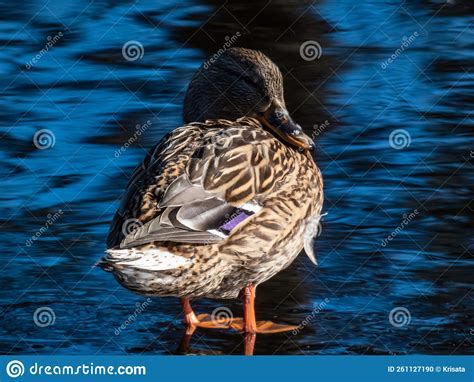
(208, 321)
(264, 327)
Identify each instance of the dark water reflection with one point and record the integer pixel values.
(91, 98)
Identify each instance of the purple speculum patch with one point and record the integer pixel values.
(234, 220)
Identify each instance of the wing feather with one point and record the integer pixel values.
(198, 183)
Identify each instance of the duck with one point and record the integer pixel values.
(224, 202)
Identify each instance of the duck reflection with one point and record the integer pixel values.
(184, 347)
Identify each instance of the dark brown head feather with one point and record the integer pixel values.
(240, 82)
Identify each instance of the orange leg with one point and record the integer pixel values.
(250, 324)
(247, 324)
(190, 318)
(249, 343)
(202, 320)
(183, 347)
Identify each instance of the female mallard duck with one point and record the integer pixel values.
(222, 203)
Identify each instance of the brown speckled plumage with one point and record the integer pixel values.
(224, 165)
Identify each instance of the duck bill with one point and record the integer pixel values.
(278, 120)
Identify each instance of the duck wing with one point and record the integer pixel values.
(198, 184)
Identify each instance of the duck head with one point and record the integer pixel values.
(243, 82)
